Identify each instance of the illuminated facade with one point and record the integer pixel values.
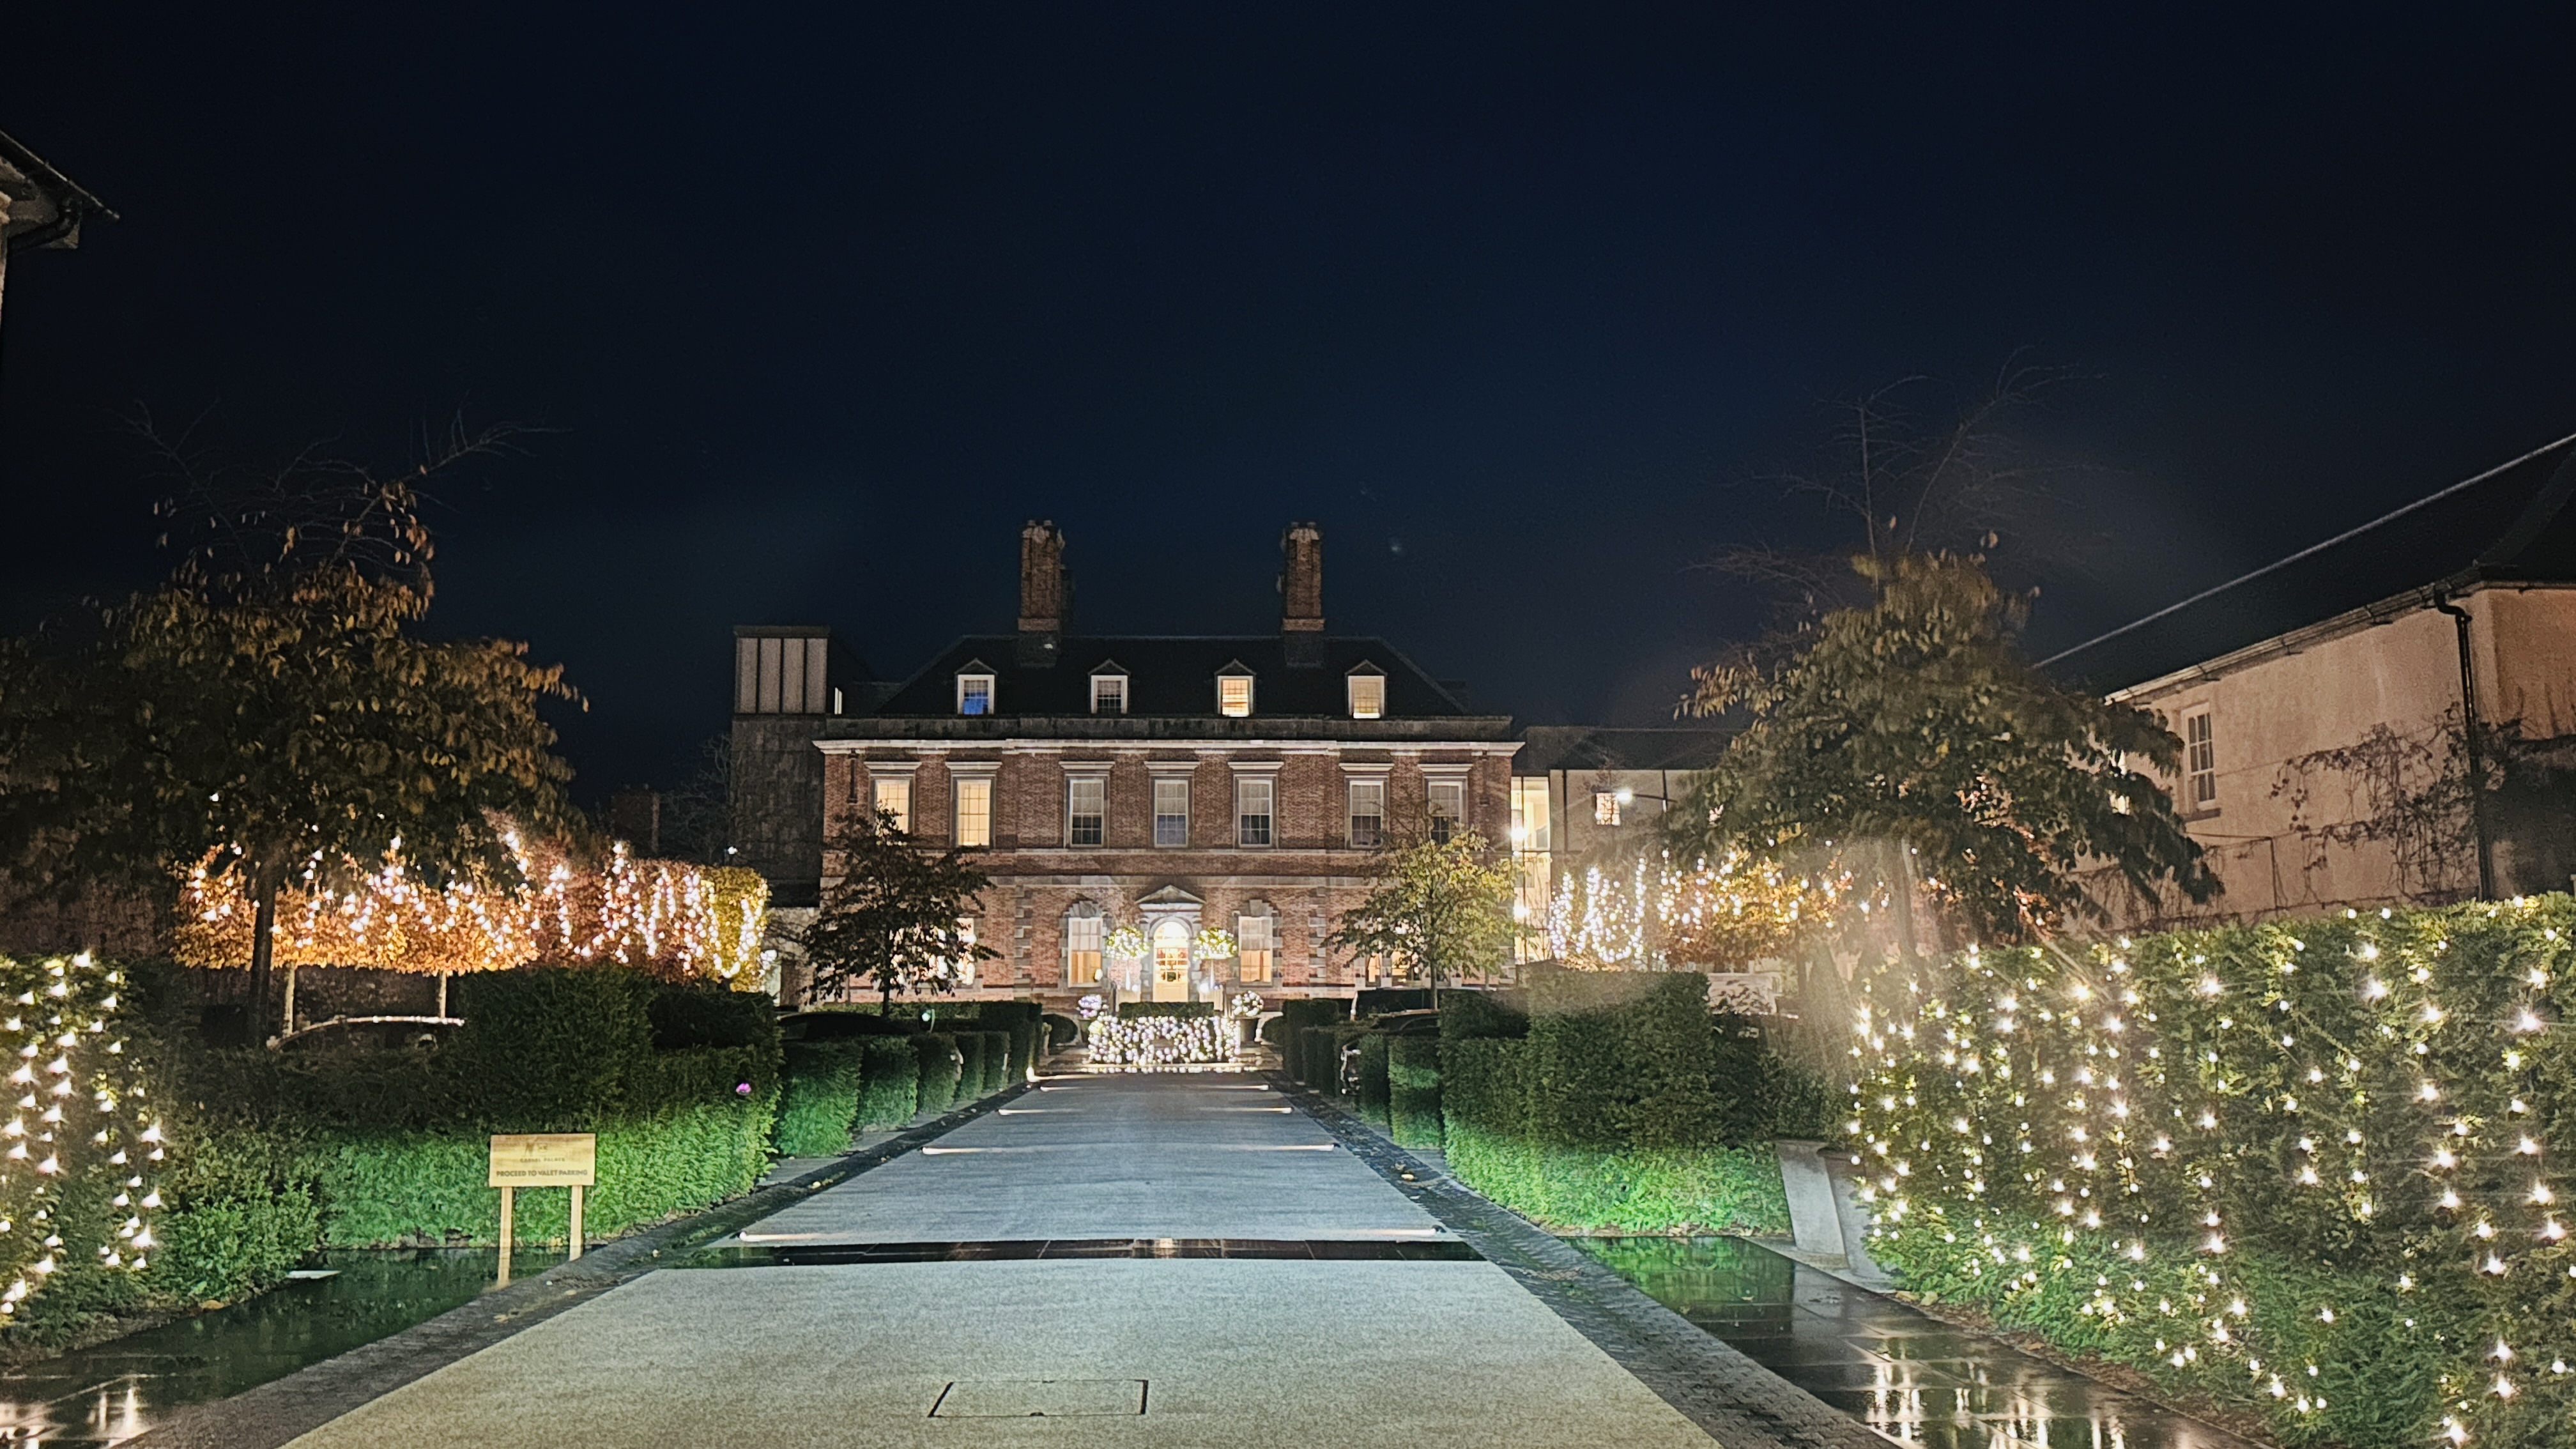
(1140, 801)
(1577, 790)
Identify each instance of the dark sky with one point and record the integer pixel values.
(1521, 304)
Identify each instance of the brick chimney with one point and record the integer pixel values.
(1301, 595)
(1046, 593)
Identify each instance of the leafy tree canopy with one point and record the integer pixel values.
(1439, 908)
(1914, 718)
(897, 917)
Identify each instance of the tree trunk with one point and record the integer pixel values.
(1902, 890)
(263, 950)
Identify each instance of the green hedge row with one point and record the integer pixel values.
(1295, 1016)
(889, 1082)
(820, 1103)
(1373, 1098)
(2335, 1143)
(1133, 1010)
(1413, 1089)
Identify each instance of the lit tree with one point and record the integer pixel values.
(897, 919)
(1439, 907)
(270, 713)
(1913, 718)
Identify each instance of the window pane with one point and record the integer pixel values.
(2200, 758)
(1448, 807)
(1605, 808)
(1085, 805)
(1234, 696)
(894, 797)
(974, 694)
(1256, 938)
(1171, 812)
(1529, 814)
(1368, 696)
(1252, 812)
(1108, 694)
(1368, 814)
(975, 812)
(1083, 937)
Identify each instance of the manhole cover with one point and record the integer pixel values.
(1038, 1398)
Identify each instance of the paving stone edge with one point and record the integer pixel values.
(287, 1408)
(1740, 1403)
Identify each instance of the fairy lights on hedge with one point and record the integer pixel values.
(1156, 1041)
(667, 917)
(79, 1120)
(2122, 1123)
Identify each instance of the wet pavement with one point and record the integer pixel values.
(1904, 1374)
(121, 1388)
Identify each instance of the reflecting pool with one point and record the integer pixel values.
(111, 1393)
(1904, 1374)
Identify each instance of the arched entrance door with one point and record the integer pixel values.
(1171, 959)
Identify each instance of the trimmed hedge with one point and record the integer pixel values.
(2353, 1127)
(1295, 1016)
(942, 1069)
(889, 1082)
(997, 1062)
(819, 1106)
(970, 1069)
(1319, 1059)
(1373, 1098)
(1061, 1032)
(1413, 1089)
(1635, 1190)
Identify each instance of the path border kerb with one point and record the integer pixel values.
(287, 1408)
(1741, 1404)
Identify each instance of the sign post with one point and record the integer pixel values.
(541, 1159)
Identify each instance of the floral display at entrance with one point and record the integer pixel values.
(1156, 1041)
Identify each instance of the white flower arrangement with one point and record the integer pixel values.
(1089, 1006)
(1126, 943)
(1214, 944)
(1154, 1041)
(1244, 1007)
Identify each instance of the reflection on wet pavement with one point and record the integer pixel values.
(1910, 1377)
(111, 1393)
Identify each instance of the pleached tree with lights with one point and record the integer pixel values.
(1437, 909)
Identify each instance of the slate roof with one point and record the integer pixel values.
(2510, 525)
(1548, 748)
(1171, 676)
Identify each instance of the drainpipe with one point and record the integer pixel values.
(2470, 735)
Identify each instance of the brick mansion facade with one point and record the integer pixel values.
(1172, 784)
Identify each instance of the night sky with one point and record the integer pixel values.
(1522, 305)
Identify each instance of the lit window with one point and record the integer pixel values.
(974, 694)
(894, 799)
(2199, 761)
(1605, 807)
(1256, 943)
(1530, 825)
(1368, 696)
(975, 811)
(1171, 960)
(1086, 807)
(1252, 796)
(1109, 694)
(1368, 814)
(1448, 808)
(1085, 930)
(1234, 695)
(1171, 811)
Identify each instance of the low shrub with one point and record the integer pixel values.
(970, 1068)
(889, 1082)
(819, 1104)
(1473, 1014)
(1319, 1059)
(1632, 1190)
(1062, 1032)
(942, 1069)
(1413, 1089)
(685, 1015)
(1295, 1016)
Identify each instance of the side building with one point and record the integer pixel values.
(1173, 784)
(2412, 742)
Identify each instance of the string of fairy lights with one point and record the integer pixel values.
(80, 1114)
(2374, 1087)
(1651, 912)
(662, 915)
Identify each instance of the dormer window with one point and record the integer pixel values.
(1367, 686)
(1234, 692)
(1108, 693)
(974, 693)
